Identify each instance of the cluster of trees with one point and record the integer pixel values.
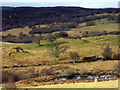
(64, 26)
(90, 23)
(29, 16)
(107, 54)
(53, 28)
(61, 34)
(114, 18)
(72, 23)
(22, 38)
(96, 33)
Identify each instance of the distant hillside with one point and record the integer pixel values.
(5, 8)
(30, 16)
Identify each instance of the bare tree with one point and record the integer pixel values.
(107, 53)
(57, 50)
(21, 35)
(51, 38)
(74, 56)
(38, 39)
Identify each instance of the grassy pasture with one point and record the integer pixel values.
(16, 31)
(100, 28)
(87, 46)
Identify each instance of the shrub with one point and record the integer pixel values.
(89, 59)
(83, 72)
(28, 74)
(14, 76)
(71, 72)
(45, 72)
(51, 38)
(116, 68)
(107, 53)
(90, 23)
(63, 34)
(8, 79)
(38, 39)
(86, 41)
(76, 37)
(57, 35)
(116, 56)
(85, 34)
(10, 86)
(10, 76)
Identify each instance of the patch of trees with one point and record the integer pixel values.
(22, 38)
(114, 33)
(74, 37)
(89, 59)
(90, 23)
(30, 16)
(61, 34)
(51, 38)
(114, 18)
(64, 26)
(96, 33)
(53, 28)
(37, 39)
(107, 54)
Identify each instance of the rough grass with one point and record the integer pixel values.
(99, 27)
(85, 47)
(103, 21)
(16, 31)
(99, 65)
(91, 66)
(104, 84)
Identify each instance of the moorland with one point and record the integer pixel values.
(42, 45)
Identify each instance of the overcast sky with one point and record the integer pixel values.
(46, 3)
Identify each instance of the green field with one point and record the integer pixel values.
(100, 28)
(85, 47)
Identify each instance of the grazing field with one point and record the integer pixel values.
(89, 46)
(37, 62)
(100, 28)
(16, 31)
